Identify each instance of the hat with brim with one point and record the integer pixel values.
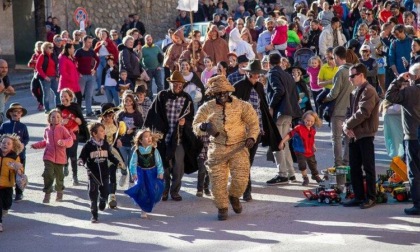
(297, 66)
(218, 84)
(254, 67)
(108, 108)
(176, 76)
(13, 106)
(242, 59)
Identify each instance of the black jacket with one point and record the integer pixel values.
(271, 135)
(74, 108)
(157, 120)
(114, 74)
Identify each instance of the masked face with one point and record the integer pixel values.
(222, 97)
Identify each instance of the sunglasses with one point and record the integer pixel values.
(369, 14)
(353, 75)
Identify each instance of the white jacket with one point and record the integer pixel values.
(239, 46)
(326, 40)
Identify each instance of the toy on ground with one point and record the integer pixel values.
(399, 167)
(324, 194)
(402, 193)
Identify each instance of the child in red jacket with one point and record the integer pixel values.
(56, 140)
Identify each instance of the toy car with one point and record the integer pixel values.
(329, 196)
(401, 194)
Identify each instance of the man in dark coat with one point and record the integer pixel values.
(172, 113)
(251, 90)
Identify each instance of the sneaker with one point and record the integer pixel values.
(408, 211)
(305, 181)
(222, 214)
(207, 192)
(317, 178)
(143, 215)
(46, 199)
(292, 179)
(199, 194)
(176, 196)
(1, 227)
(94, 219)
(278, 180)
(368, 204)
(352, 203)
(76, 181)
(247, 197)
(18, 197)
(102, 205)
(165, 196)
(4, 212)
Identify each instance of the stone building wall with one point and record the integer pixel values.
(157, 15)
(7, 48)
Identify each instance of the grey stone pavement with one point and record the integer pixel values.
(271, 222)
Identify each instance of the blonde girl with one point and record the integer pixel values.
(303, 136)
(147, 171)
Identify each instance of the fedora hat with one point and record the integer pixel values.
(296, 66)
(254, 67)
(176, 76)
(13, 106)
(218, 84)
(242, 59)
(107, 108)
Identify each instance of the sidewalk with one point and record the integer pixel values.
(20, 77)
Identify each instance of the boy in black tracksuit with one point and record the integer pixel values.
(95, 154)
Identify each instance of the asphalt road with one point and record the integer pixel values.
(271, 222)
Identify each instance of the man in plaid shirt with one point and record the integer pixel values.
(251, 90)
(172, 113)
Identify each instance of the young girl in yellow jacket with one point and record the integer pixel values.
(10, 147)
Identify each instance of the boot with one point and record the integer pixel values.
(236, 204)
(112, 201)
(222, 214)
(47, 197)
(59, 196)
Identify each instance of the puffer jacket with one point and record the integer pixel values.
(364, 109)
(129, 61)
(54, 152)
(7, 173)
(235, 122)
(326, 39)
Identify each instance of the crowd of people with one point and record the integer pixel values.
(253, 80)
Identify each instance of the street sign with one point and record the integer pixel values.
(80, 14)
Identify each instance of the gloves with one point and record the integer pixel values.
(249, 143)
(210, 129)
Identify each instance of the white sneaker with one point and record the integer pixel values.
(143, 215)
(1, 227)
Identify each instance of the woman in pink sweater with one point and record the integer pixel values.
(56, 140)
(69, 76)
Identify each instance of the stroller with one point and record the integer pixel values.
(302, 56)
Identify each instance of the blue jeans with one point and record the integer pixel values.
(156, 75)
(46, 93)
(126, 153)
(99, 70)
(112, 95)
(87, 85)
(412, 151)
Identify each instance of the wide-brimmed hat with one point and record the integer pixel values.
(176, 76)
(107, 108)
(218, 84)
(13, 106)
(296, 66)
(254, 67)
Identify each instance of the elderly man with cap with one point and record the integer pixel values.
(264, 45)
(233, 127)
(172, 113)
(5, 88)
(215, 46)
(239, 74)
(251, 90)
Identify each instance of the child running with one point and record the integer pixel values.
(147, 170)
(56, 140)
(303, 136)
(95, 154)
(10, 148)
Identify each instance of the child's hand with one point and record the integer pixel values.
(281, 145)
(134, 176)
(160, 176)
(315, 148)
(60, 142)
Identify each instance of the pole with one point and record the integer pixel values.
(192, 22)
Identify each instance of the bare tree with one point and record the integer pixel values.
(40, 31)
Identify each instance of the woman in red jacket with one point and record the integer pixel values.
(47, 74)
(35, 83)
(69, 77)
(103, 48)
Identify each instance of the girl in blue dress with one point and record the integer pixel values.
(147, 171)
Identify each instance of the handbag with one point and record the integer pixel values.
(21, 181)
